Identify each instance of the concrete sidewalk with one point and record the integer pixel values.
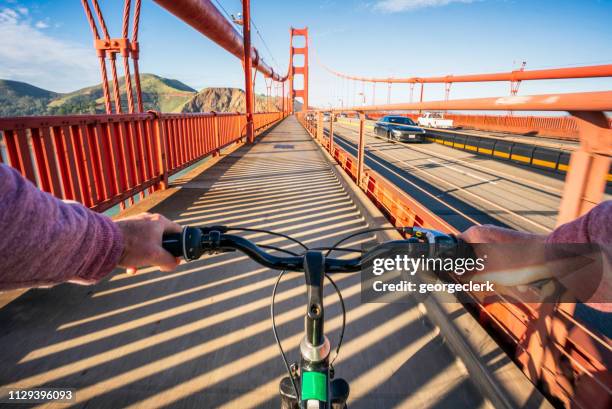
(201, 336)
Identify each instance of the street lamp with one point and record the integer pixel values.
(363, 98)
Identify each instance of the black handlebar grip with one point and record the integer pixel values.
(464, 249)
(173, 244)
(186, 244)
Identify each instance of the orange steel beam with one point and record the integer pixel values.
(248, 64)
(580, 101)
(206, 18)
(592, 71)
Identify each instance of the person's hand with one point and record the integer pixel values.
(488, 233)
(142, 237)
(512, 257)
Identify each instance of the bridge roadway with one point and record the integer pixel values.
(460, 186)
(201, 337)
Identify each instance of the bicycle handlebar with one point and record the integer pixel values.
(193, 242)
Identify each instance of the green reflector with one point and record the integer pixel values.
(314, 386)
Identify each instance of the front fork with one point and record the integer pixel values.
(314, 378)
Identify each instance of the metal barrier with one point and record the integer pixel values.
(554, 350)
(104, 160)
(560, 127)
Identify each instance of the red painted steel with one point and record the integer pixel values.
(298, 70)
(579, 101)
(206, 18)
(108, 47)
(552, 347)
(103, 160)
(592, 71)
(248, 65)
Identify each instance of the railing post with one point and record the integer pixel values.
(361, 148)
(588, 168)
(161, 148)
(421, 99)
(320, 126)
(248, 64)
(216, 134)
(283, 99)
(331, 134)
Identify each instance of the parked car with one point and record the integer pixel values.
(434, 120)
(399, 128)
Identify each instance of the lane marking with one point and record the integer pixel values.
(462, 172)
(459, 212)
(473, 166)
(504, 209)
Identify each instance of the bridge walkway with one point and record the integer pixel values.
(201, 336)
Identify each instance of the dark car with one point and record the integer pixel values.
(399, 128)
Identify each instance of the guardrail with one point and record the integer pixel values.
(104, 160)
(561, 127)
(555, 350)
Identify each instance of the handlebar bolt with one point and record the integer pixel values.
(315, 310)
(293, 368)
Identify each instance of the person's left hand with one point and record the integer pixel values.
(142, 237)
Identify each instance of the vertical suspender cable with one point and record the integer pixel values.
(136, 54)
(126, 55)
(101, 56)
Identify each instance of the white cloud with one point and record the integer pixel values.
(394, 6)
(30, 55)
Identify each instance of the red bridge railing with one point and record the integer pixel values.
(104, 160)
(552, 347)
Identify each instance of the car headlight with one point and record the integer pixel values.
(396, 132)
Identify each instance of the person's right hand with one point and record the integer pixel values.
(512, 257)
(488, 233)
(142, 238)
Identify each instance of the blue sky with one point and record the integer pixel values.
(49, 44)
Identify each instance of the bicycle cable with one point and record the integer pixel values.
(335, 247)
(275, 332)
(269, 232)
(329, 251)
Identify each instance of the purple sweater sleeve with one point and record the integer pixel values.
(45, 241)
(593, 227)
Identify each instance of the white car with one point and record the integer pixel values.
(434, 120)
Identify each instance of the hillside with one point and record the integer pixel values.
(21, 99)
(158, 93)
(225, 100)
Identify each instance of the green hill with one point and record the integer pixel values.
(158, 93)
(22, 99)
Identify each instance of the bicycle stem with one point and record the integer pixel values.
(314, 273)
